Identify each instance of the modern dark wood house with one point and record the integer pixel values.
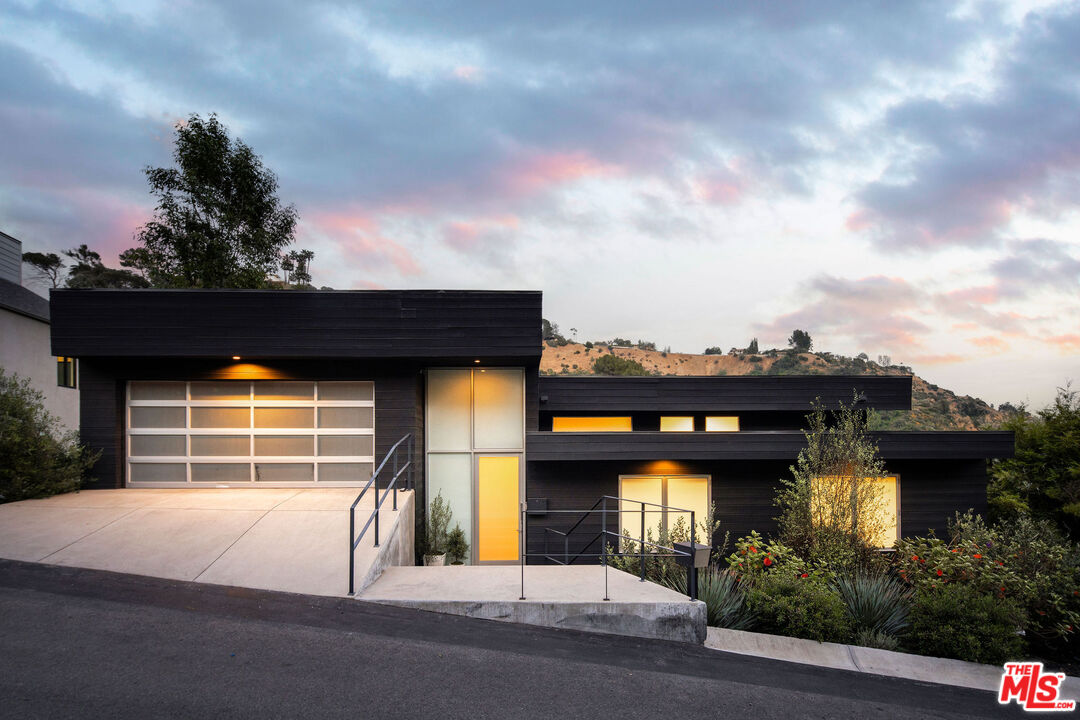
(245, 388)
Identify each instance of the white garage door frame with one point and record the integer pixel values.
(343, 463)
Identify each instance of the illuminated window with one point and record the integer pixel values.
(831, 494)
(722, 423)
(65, 372)
(682, 492)
(677, 423)
(591, 424)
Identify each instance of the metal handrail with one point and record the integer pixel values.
(354, 539)
(604, 532)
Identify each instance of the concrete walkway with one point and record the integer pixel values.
(288, 539)
(944, 671)
(555, 596)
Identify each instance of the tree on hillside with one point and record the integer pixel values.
(296, 268)
(1043, 478)
(218, 221)
(47, 267)
(800, 341)
(752, 348)
(90, 272)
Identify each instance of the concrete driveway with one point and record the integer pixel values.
(294, 540)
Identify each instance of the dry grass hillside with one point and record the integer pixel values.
(933, 407)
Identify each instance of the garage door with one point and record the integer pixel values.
(250, 433)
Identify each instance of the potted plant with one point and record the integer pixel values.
(457, 548)
(438, 525)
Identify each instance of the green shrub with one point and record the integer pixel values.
(958, 621)
(798, 607)
(723, 595)
(1027, 562)
(36, 459)
(457, 547)
(877, 604)
(615, 365)
(438, 526)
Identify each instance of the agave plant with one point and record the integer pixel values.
(878, 604)
(725, 598)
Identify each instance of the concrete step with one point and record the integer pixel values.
(555, 596)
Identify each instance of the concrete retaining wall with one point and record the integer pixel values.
(398, 549)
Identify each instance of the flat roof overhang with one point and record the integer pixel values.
(755, 445)
(720, 393)
(435, 325)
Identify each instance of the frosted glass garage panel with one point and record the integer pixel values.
(224, 390)
(352, 445)
(277, 445)
(158, 417)
(345, 472)
(158, 390)
(346, 417)
(151, 445)
(219, 445)
(221, 472)
(284, 390)
(449, 392)
(499, 415)
(285, 472)
(157, 472)
(451, 474)
(360, 390)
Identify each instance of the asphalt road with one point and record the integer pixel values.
(87, 644)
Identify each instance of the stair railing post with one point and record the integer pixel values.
(603, 551)
(642, 548)
(352, 533)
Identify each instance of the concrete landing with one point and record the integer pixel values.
(555, 596)
(289, 539)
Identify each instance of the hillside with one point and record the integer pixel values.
(933, 407)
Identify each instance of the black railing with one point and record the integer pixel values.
(646, 548)
(391, 487)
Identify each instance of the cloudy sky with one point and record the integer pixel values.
(894, 178)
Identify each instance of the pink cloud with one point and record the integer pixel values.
(358, 235)
(541, 171)
(468, 73)
(990, 342)
(467, 234)
(1066, 344)
(946, 359)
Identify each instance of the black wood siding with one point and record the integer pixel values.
(778, 445)
(436, 325)
(931, 492)
(608, 395)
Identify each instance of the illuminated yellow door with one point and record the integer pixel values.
(497, 508)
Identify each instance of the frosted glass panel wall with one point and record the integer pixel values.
(451, 474)
(473, 412)
(449, 393)
(499, 419)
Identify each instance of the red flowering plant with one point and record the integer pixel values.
(755, 556)
(1027, 562)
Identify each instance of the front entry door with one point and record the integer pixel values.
(498, 508)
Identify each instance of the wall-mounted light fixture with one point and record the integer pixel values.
(235, 357)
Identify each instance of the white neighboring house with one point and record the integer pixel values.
(25, 342)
